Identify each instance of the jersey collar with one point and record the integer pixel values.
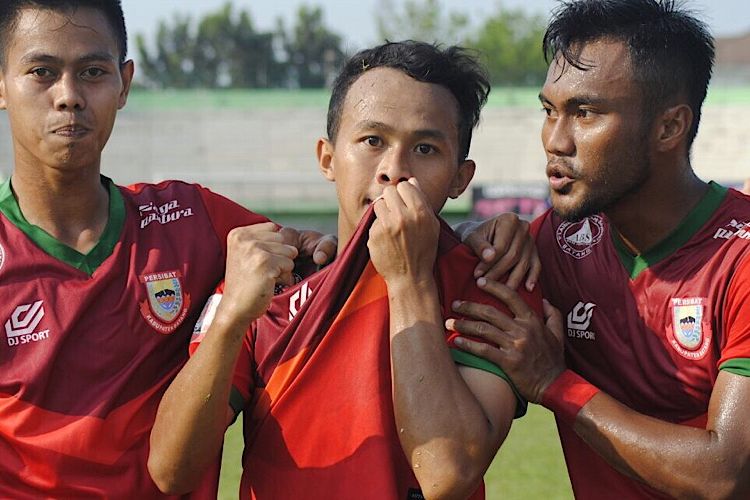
(88, 263)
(635, 264)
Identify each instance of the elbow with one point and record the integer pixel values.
(449, 479)
(167, 477)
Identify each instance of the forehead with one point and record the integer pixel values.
(608, 72)
(64, 33)
(392, 97)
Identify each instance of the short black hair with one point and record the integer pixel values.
(671, 51)
(112, 10)
(453, 68)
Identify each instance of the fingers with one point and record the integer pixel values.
(325, 249)
(553, 319)
(485, 313)
(518, 307)
(535, 269)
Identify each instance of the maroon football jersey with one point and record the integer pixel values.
(91, 342)
(653, 330)
(316, 369)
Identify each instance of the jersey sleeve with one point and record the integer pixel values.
(735, 343)
(242, 380)
(225, 215)
(458, 283)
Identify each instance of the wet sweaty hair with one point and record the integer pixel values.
(453, 68)
(10, 11)
(671, 51)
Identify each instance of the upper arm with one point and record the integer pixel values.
(497, 400)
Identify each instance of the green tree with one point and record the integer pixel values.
(423, 20)
(314, 54)
(224, 50)
(510, 45)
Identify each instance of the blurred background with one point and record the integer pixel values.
(233, 95)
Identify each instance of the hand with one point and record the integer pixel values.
(311, 244)
(257, 259)
(504, 244)
(529, 350)
(403, 239)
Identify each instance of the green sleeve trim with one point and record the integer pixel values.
(738, 366)
(467, 359)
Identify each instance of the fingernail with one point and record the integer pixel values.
(488, 253)
(482, 282)
(545, 302)
(530, 285)
(477, 272)
(459, 341)
(456, 304)
(450, 324)
(319, 257)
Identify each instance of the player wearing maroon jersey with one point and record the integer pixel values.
(99, 284)
(356, 393)
(648, 263)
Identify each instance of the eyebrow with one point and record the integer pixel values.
(422, 133)
(40, 57)
(574, 102)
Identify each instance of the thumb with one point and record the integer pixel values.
(553, 320)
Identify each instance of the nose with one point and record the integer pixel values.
(394, 167)
(68, 93)
(557, 136)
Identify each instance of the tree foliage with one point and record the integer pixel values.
(224, 50)
(423, 20)
(510, 45)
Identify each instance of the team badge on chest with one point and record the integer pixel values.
(689, 336)
(167, 303)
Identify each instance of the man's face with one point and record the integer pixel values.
(595, 134)
(393, 127)
(62, 85)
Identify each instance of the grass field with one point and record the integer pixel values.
(529, 466)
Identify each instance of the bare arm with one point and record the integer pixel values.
(682, 461)
(451, 420)
(194, 411)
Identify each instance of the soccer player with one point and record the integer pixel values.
(100, 285)
(348, 386)
(648, 264)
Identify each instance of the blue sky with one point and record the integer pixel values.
(354, 19)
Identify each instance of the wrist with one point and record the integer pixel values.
(410, 284)
(567, 394)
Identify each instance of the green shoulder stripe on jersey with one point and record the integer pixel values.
(87, 263)
(472, 361)
(738, 366)
(635, 264)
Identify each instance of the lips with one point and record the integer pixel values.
(560, 175)
(71, 130)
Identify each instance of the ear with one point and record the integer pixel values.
(324, 150)
(126, 73)
(3, 104)
(463, 177)
(673, 127)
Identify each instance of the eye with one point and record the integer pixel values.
(92, 72)
(41, 72)
(583, 113)
(373, 140)
(425, 149)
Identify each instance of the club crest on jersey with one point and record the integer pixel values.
(689, 336)
(167, 304)
(578, 239)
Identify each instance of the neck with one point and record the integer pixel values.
(647, 216)
(73, 207)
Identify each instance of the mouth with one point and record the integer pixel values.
(560, 177)
(72, 131)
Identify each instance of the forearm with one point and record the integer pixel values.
(193, 414)
(683, 461)
(444, 432)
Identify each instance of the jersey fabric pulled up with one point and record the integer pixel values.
(90, 342)
(653, 330)
(315, 376)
